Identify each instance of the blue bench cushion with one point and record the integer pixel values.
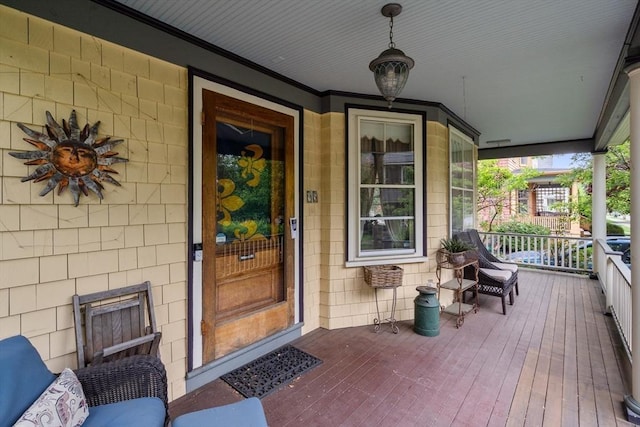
(246, 413)
(23, 376)
(145, 411)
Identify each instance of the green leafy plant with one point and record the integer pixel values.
(617, 181)
(614, 229)
(495, 187)
(515, 227)
(456, 245)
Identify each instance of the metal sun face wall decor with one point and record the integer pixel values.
(68, 156)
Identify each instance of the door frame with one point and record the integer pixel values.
(198, 83)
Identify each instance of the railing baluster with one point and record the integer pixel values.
(552, 252)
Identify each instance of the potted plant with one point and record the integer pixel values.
(454, 250)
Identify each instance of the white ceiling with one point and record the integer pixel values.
(525, 70)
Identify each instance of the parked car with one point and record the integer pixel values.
(578, 257)
(582, 256)
(527, 257)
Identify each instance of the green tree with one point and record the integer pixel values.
(495, 187)
(618, 181)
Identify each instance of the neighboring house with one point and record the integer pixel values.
(542, 202)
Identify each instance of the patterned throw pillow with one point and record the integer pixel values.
(62, 404)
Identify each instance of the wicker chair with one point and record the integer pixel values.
(496, 262)
(491, 279)
(124, 379)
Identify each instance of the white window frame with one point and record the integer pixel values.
(467, 142)
(356, 257)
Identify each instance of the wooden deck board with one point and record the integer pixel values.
(539, 387)
(514, 397)
(498, 352)
(570, 372)
(553, 360)
(553, 397)
(586, 395)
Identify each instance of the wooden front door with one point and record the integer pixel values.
(248, 199)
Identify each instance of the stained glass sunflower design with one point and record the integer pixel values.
(68, 156)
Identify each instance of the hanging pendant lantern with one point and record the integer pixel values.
(391, 68)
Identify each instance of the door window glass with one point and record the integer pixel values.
(250, 182)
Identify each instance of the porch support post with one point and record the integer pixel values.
(599, 221)
(631, 401)
(598, 205)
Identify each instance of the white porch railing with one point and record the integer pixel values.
(615, 279)
(542, 251)
(577, 255)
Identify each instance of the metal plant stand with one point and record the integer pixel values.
(458, 284)
(384, 277)
(392, 317)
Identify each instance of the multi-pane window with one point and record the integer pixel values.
(523, 201)
(463, 170)
(549, 199)
(385, 188)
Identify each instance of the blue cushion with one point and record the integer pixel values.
(145, 411)
(23, 377)
(246, 413)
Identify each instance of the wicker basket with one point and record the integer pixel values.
(383, 276)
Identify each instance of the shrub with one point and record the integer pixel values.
(514, 227)
(614, 229)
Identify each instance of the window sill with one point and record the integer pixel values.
(383, 261)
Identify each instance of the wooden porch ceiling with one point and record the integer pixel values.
(545, 76)
(553, 360)
(526, 72)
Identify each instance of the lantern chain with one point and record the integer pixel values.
(392, 45)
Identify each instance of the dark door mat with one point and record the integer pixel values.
(265, 374)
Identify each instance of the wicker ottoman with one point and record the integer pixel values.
(245, 413)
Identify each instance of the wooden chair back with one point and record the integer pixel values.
(113, 324)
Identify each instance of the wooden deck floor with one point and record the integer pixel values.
(553, 360)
